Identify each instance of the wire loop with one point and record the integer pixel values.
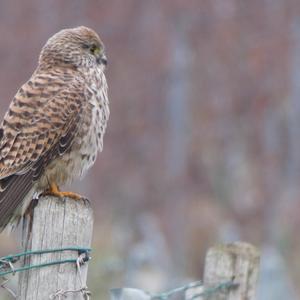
(12, 258)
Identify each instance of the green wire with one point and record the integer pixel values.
(222, 287)
(168, 294)
(14, 257)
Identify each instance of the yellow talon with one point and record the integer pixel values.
(54, 191)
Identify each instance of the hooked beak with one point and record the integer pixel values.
(102, 59)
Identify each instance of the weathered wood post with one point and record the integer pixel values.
(237, 262)
(55, 223)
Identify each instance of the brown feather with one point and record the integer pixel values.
(17, 187)
(39, 138)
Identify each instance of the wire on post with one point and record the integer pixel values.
(7, 267)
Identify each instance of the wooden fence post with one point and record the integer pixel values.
(55, 223)
(237, 262)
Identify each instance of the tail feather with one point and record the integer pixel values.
(13, 191)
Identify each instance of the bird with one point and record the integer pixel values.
(54, 126)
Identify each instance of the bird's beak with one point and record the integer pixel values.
(102, 59)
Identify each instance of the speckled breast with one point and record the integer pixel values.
(89, 140)
(90, 137)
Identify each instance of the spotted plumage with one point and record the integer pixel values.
(55, 124)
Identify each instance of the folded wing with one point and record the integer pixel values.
(40, 125)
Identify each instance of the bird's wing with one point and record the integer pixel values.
(40, 125)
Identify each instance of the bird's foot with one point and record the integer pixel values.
(54, 191)
(71, 195)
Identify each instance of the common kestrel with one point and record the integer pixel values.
(55, 124)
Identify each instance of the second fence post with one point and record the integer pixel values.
(238, 263)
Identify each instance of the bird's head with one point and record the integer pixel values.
(77, 47)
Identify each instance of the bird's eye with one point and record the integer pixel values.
(95, 50)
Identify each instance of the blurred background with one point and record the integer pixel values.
(203, 143)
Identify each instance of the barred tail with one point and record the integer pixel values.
(13, 190)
